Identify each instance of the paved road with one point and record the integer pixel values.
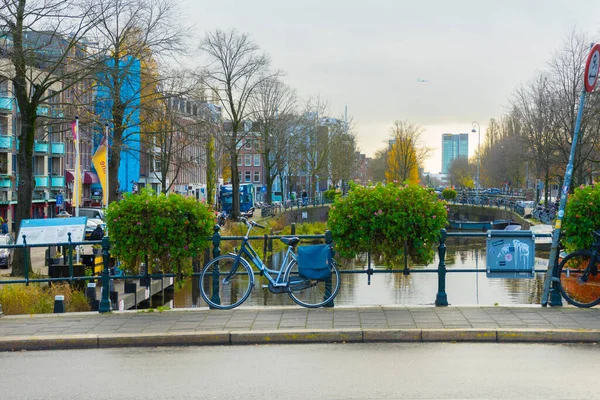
(312, 371)
(293, 324)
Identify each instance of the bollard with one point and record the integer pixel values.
(105, 302)
(216, 241)
(59, 304)
(90, 294)
(441, 298)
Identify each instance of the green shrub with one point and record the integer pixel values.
(331, 194)
(449, 194)
(380, 219)
(167, 230)
(582, 217)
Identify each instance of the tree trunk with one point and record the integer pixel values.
(113, 169)
(26, 182)
(235, 190)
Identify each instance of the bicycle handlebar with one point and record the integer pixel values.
(251, 223)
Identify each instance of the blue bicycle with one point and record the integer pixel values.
(226, 281)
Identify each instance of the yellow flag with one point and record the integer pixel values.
(99, 161)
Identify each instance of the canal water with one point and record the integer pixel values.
(462, 288)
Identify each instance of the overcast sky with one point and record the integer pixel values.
(370, 55)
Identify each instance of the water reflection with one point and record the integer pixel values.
(415, 289)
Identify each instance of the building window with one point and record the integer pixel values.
(257, 160)
(239, 160)
(257, 176)
(248, 144)
(248, 160)
(247, 176)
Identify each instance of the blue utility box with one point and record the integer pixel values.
(510, 254)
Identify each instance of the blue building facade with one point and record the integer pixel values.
(129, 168)
(453, 147)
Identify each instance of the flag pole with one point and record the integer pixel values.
(77, 190)
(106, 144)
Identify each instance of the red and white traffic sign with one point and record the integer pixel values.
(591, 68)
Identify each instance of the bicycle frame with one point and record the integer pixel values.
(253, 258)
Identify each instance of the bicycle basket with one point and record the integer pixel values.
(313, 261)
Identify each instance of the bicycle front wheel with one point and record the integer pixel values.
(312, 293)
(579, 280)
(222, 289)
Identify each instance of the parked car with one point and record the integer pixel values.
(91, 225)
(6, 255)
(96, 213)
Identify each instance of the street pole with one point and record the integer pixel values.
(478, 158)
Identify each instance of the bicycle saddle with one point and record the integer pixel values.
(290, 241)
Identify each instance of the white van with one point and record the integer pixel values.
(96, 213)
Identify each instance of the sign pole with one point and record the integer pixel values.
(77, 190)
(590, 79)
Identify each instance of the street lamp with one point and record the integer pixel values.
(478, 160)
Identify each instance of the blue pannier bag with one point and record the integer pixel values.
(313, 261)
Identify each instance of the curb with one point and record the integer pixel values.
(298, 336)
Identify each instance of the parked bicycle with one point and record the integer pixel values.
(227, 280)
(578, 279)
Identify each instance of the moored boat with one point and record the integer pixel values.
(545, 242)
(470, 225)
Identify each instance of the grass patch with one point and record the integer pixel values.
(35, 299)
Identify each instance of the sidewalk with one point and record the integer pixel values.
(264, 325)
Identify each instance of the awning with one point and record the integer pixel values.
(70, 175)
(90, 177)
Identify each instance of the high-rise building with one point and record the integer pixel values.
(453, 146)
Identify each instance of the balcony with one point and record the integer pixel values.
(57, 148)
(40, 147)
(42, 111)
(41, 181)
(57, 182)
(5, 182)
(5, 142)
(6, 104)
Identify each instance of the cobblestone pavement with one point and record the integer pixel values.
(293, 324)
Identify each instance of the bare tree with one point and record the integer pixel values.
(461, 173)
(44, 55)
(406, 154)
(236, 68)
(314, 137)
(534, 106)
(343, 157)
(272, 109)
(132, 37)
(378, 166)
(172, 130)
(565, 85)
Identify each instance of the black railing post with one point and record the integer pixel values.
(216, 241)
(329, 242)
(26, 257)
(293, 229)
(441, 298)
(105, 301)
(405, 271)
(70, 257)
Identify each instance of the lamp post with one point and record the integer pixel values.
(478, 157)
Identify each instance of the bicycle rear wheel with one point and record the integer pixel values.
(312, 293)
(220, 292)
(579, 280)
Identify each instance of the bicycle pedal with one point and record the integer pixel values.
(264, 286)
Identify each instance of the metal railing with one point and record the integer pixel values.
(216, 239)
